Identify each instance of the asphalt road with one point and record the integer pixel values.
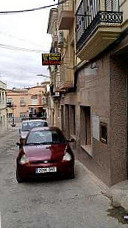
(76, 203)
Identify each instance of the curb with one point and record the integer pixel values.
(119, 195)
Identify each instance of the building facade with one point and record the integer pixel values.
(93, 95)
(30, 101)
(3, 107)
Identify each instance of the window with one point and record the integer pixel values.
(22, 114)
(34, 97)
(26, 126)
(10, 100)
(85, 126)
(103, 132)
(22, 101)
(112, 5)
(45, 137)
(34, 100)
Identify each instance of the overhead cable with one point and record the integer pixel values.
(19, 48)
(17, 38)
(33, 9)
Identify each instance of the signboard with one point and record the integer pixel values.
(51, 59)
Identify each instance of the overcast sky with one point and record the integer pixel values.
(24, 30)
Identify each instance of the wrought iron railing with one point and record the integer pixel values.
(87, 20)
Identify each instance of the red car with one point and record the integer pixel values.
(45, 152)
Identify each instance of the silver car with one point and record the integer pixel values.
(27, 125)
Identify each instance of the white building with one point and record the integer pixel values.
(3, 109)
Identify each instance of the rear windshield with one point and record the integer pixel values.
(45, 137)
(29, 125)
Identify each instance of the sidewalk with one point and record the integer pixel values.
(119, 194)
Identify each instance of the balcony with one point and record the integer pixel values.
(22, 104)
(9, 104)
(65, 15)
(66, 85)
(96, 27)
(67, 77)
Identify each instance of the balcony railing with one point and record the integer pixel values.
(9, 104)
(22, 103)
(34, 102)
(89, 17)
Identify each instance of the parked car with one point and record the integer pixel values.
(45, 152)
(28, 124)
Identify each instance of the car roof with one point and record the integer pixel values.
(33, 120)
(46, 128)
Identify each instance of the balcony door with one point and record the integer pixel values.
(112, 5)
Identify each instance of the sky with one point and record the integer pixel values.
(27, 31)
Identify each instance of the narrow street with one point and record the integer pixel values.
(76, 203)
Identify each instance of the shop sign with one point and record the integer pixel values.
(51, 59)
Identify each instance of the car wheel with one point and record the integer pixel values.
(18, 178)
(72, 175)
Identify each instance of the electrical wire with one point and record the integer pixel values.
(34, 9)
(20, 48)
(17, 38)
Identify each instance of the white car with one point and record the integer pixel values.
(27, 125)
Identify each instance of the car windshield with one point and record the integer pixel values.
(45, 137)
(26, 126)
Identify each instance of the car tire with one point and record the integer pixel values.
(18, 178)
(72, 175)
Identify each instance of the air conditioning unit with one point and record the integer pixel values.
(60, 38)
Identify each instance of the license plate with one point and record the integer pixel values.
(46, 170)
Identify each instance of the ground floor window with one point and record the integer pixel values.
(85, 127)
(103, 132)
